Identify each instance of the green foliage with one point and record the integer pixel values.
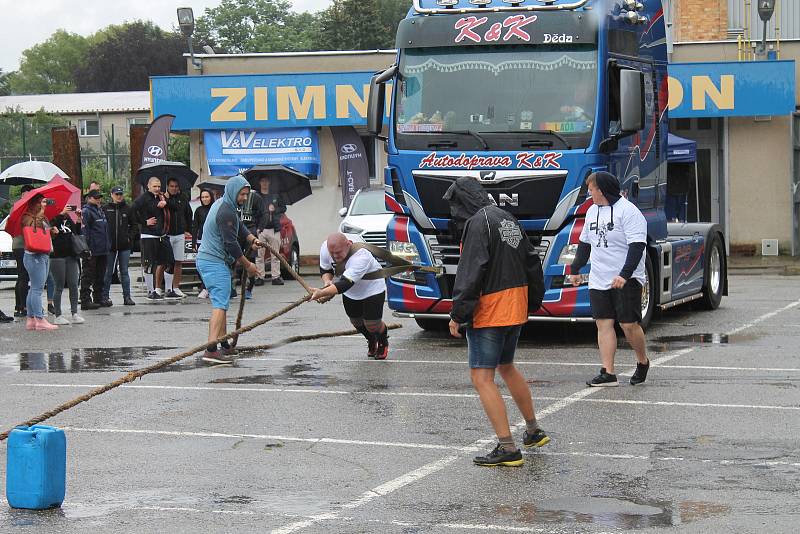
(123, 58)
(49, 67)
(359, 25)
(5, 83)
(21, 135)
(178, 149)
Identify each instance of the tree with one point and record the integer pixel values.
(391, 12)
(124, 57)
(21, 135)
(352, 25)
(48, 67)
(5, 87)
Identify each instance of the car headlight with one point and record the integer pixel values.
(350, 229)
(403, 249)
(567, 255)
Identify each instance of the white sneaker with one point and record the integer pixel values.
(203, 294)
(77, 319)
(160, 291)
(60, 320)
(180, 293)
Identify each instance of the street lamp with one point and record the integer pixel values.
(186, 24)
(765, 10)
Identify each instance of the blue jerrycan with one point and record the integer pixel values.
(36, 467)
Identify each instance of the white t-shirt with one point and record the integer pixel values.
(610, 245)
(359, 264)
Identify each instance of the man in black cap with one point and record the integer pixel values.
(121, 228)
(614, 239)
(95, 228)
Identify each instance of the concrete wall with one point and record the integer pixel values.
(279, 64)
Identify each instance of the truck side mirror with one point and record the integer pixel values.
(377, 100)
(631, 100)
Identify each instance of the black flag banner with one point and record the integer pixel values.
(157, 140)
(353, 163)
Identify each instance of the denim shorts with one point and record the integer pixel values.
(217, 279)
(490, 347)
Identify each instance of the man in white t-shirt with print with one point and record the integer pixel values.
(363, 295)
(614, 239)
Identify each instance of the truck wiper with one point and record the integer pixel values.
(469, 132)
(539, 132)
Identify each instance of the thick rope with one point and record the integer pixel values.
(295, 339)
(242, 298)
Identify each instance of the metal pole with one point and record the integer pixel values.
(24, 147)
(696, 192)
(113, 155)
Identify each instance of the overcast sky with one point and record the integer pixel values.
(27, 22)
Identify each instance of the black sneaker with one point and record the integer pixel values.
(171, 295)
(154, 296)
(537, 439)
(641, 373)
(20, 313)
(372, 348)
(217, 358)
(51, 308)
(277, 281)
(90, 306)
(128, 302)
(106, 303)
(500, 457)
(5, 318)
(603, 380)
(230, 351)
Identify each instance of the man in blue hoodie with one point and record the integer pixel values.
(219, 251)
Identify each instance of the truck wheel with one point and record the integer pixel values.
(294, 260)
(648, 293)
(432, 325)
(714, 275)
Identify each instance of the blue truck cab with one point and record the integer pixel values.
(529, 97)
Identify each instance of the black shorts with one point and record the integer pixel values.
(370, 308)
(156, 251)
(624, 305)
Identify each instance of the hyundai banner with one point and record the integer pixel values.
(353, 164)
(156, 142)
(231, 152)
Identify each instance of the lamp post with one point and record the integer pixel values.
(765, 10)
(186, 24)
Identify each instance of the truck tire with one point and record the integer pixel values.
(648, 293)
(714, 275)
(293, 260)
(433, 325)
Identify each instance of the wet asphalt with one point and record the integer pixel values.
(313, 437)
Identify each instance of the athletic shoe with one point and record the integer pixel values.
(603, 380)
(641, 373)
(203, 294)
(382, 350)
(51, 308)
(40, 323)
(20, 313)
(216, 357)
(372, 348)
(259, 281)
(77, 319)
(180, 293)
(277, 281)
(128, 302)
(499, 457)
(154, 296)
(5, 318)
(90, 306)
(230, 351)
(159, 291)
(171, 295)
(248, 295)
(537, 439)
(106, 303)
(60, 320)
(234, 294)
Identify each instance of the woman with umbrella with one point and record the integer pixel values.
(36, 261)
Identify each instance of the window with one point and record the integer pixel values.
(138, 120)
(89, 127)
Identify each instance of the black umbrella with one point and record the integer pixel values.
(288, 183)
(166, 170)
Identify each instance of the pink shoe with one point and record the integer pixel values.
(43, 324)
(30, 324)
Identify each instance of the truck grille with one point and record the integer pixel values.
(446, 252)
(375, 238)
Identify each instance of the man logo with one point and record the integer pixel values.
(155, 151)
(349, 148)
(487, 176)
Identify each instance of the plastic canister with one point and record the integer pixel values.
(36, 467)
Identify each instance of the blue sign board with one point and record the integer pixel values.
(230, 152)
(744, 88)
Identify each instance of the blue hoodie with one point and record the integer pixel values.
(222, 230)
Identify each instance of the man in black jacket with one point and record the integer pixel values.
(180, 222)
(271, 232)
(253, 216)
(499, 281)
(121, 227)
(153, 218)
(95, 228)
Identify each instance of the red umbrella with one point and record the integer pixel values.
(57, 189)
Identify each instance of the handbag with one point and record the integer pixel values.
(37, 241)
(80, 247)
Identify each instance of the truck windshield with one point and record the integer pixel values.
(511, 96)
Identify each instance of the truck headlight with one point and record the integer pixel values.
(567, 255)
(403, 249)
(350, 229)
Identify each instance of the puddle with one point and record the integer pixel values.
(611, 512)
(669, 343)
(298, 374)
(233, 499)
(81, 360)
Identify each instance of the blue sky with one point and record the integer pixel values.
(26, 23)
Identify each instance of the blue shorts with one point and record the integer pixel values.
(490, 347)
(217, 279)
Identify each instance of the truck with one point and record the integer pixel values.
(529, 97)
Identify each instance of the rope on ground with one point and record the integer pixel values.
(295, 339)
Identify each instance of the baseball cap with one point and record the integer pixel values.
(94, 194)
(117, 190)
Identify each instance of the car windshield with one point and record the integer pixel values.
(490, 90)
(371, 203)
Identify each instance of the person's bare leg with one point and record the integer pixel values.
(607, 341)
(635, 336)
(176, 275)
(493, 404)
(518, 387)
(160, 277)
(216, 325)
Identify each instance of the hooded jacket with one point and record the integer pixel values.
(145, 207)
(95, 228)
(223, 230)
(200, 216)
(499, 279)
